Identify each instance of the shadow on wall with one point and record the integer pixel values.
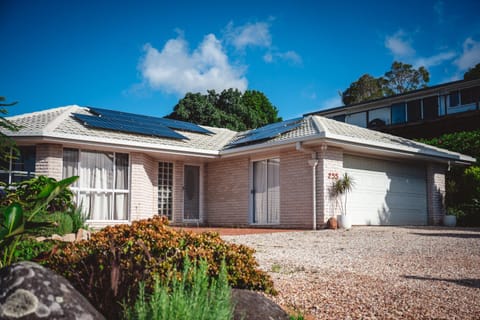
(471, 283)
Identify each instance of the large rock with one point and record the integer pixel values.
(250, 305)
(30, 291)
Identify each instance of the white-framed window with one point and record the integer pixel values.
(165, 189)
(18, 167)
(103, 187)
(266, 191)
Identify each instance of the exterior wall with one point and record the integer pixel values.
(329, 167)
(49, 160)
(435, 193)
(143, 186)
(296, 196)
(227, 192)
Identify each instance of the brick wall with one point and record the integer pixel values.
(49, 160)
(296, 196)
(143, 186)
(227, 192)
(435, 193)
(331, 162)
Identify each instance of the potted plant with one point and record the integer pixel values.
(341, 187)
(450, 218)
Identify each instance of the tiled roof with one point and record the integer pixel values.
(59, 123)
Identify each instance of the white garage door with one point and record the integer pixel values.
(386, 192)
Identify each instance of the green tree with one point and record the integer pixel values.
(7, 145)
(365, 88)
(403, 78)
(472, 73)
(230, 109)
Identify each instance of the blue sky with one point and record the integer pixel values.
(143, 56)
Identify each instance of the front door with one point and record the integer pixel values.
(191, 194)
(266, 191)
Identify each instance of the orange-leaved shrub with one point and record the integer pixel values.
(107, 268)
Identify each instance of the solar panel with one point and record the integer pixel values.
(267, 132)
(125, 126)
(154, 121)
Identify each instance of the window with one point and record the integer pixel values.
(469, 96)
(414, 110)
(379, 117)
(102, 189)
(340, 118)
(453, 99)
(398, 113)
(266, 191)
(19, 167)
(430, 108)
(358, 119)
(165, 189)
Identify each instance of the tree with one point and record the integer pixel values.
(472, 73)
(230, 109)
(7, 145)
(365, 88)
(401, 78)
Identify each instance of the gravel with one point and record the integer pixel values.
(373, 272)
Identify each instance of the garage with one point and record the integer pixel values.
(386, 192)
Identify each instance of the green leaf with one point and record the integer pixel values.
(13, 221)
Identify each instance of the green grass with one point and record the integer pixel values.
(195, 296)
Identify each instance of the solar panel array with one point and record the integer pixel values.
(267, 132)
(135, 123)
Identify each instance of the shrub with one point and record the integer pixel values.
(107, 268)
(26, 194)
(29, 248)
(78, 219)
(195, 296)
(54, 223)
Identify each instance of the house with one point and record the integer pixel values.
(133, 166)
(424, 113)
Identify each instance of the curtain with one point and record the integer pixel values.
(260, 192)
(273, 184)
(96, 170)
(70, 164)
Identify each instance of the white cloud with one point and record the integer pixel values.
(289, 56)
(175, 70)
(249, 35)
(399, 45)
(470, 55)
(434, 60)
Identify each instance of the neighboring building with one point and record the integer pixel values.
(132, 167)
(424, 113)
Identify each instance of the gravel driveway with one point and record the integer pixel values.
(374, 272)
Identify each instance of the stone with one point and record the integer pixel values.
(83, 234)
(69, 237)
(332, 223)
(40, 239)
(56, 237)
(254, 306)
(30, 291)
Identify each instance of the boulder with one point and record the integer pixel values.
(83, 234)
(254, 306)
(30, 291)
(69, 237)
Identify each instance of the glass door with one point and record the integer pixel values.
(191, 194)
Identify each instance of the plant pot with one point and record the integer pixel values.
(449, 220)
(344, 222)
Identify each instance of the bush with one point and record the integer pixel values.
(107, 268)
(78, 219)
(54, 223)
(29, 248)
(26, 194)
(195, 296)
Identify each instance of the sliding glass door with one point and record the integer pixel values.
(266, 191)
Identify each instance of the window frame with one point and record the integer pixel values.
(25, 175)
(170, 191)
(78, 189)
